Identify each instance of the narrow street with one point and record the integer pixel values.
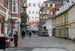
(39, 22)
(36, 43)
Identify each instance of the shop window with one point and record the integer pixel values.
(2, 28)
(1, 25)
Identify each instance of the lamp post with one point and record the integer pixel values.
(24, 15)
(24, 6)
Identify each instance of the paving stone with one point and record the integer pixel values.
(36, 43)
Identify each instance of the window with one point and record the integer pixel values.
(8, 3)
(44, 12)
(33, 12)
(29, 4)
(2, 2)
(34, 4)
(36, 12)
(39, 5)
(14, 7)
(32, 17)
(29, 12)
(48, 5)
(47, 11)
(44, 5)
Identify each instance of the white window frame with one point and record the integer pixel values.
(8, 4)
(2, 2)
(16, 6)
(14, 11)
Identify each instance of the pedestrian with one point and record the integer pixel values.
(9, 34)
(29, 32)
(15, 39)
(23, 34)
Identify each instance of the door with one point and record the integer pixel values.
(54, 31)
(0, 28)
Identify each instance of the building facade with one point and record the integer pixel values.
(9, 16)
(33, 12)
(71, 22)
(47, 11)
(65, 21)
(62, 25)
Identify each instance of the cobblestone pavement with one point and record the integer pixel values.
(36, 43)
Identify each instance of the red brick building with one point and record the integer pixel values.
(9, 16)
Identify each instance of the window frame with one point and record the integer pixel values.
(2, 2)
(16, 7)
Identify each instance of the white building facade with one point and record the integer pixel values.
(33, 8)
(49, 27)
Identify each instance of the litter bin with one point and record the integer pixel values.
(2, 41)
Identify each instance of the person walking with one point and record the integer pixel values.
(9, 34)
(29, 32)
(15, 39)
(23, 34)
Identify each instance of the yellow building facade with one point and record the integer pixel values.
(65, 23)
(71, 22)
(62, 25)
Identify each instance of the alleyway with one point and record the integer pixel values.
(36, 43)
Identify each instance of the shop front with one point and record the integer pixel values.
(2, 25)
(62, 32)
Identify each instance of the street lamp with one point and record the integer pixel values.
(24, 15)
(24, 6)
